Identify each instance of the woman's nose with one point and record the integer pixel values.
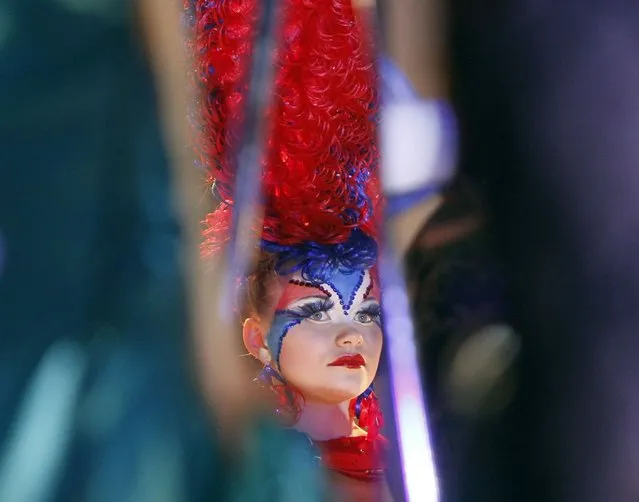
(349, 337)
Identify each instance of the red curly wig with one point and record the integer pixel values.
(319, 172)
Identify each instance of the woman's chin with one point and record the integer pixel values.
(332, 396)
(337, 389)
(345, 391)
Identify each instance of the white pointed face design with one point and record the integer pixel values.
(326, 339)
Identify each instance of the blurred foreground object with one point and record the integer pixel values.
(414, 38)
(95, 402)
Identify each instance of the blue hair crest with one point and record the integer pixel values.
(318, 263)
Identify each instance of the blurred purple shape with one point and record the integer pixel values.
(411, 419)
(248, 177)
(418, 464)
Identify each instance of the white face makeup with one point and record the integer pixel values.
(327, 338)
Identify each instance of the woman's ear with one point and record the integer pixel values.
(255, 340)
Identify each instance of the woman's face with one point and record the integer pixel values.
(326, 340)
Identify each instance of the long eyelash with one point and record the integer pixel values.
(312, 308)
(373, 310)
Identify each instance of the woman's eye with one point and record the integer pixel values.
(319, 316)
(364, 318)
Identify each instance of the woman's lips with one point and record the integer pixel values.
(351, 361)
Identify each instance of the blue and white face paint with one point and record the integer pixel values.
(326, 338)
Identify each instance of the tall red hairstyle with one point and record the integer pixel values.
(319, 173)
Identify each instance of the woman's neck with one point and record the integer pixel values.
(327, 421)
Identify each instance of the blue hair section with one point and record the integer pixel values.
(318, 263)
(360, 398)
(359, 197)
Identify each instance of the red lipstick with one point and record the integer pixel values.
(350, 361)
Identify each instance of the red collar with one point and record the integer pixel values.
(359, 457)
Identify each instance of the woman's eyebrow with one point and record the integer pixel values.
(364, 304)
(307, 299)
(297, 290)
